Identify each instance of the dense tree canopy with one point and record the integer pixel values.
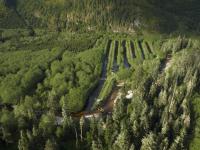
(159, 15)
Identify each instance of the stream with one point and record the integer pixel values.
(132, 49)
(94, 95)
(115, 67)
(141, 49)
(126, 63)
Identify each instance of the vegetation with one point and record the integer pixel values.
(194, 145)
(37, 85)
(123, 16)
(105, 92)
(111, 56)
(99, 74)
(159, 114)
(13, 40)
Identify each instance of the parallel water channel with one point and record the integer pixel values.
(115, 67)
(148, 48)
(141, 49)
(126, 63)
(132, 49)
(94, 95)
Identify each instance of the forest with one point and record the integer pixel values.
(99, 75)
(112, 15)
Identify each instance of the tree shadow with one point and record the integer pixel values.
(11, 3)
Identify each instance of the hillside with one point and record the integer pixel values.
(9, 18)
(116, 15)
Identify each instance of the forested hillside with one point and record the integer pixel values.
(115, 15)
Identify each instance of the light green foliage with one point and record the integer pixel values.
(47, 123)
(122, 141)
(23, 142)
(124, 74)
(147, 52)
(149, 142)
(106, 91)
(50, 145)
(12, 62)
(108, 86)
(74, 77)
(26, 108)
(21, 77)
(130, 52)
(111, 57)
(120, 55)
(41, 90)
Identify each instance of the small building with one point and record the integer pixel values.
(129, 94)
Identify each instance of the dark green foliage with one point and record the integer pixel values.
(8, 16)
(129, 15)
(75, 99)
(22, 39)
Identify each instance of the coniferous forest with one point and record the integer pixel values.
(99, 74)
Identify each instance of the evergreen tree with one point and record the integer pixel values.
(97, 145)
(122, 141)
(23, 143)
(149, 142)
(82, 121)
(50, 145)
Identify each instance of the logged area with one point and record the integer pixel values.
(99, 75)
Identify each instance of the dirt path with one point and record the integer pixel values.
(165, 65)
(94, 95)
(105, 109)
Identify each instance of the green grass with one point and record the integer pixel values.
(129, 52)
(111, 57)
(147, 54)
(120, 55)
(138, 51)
